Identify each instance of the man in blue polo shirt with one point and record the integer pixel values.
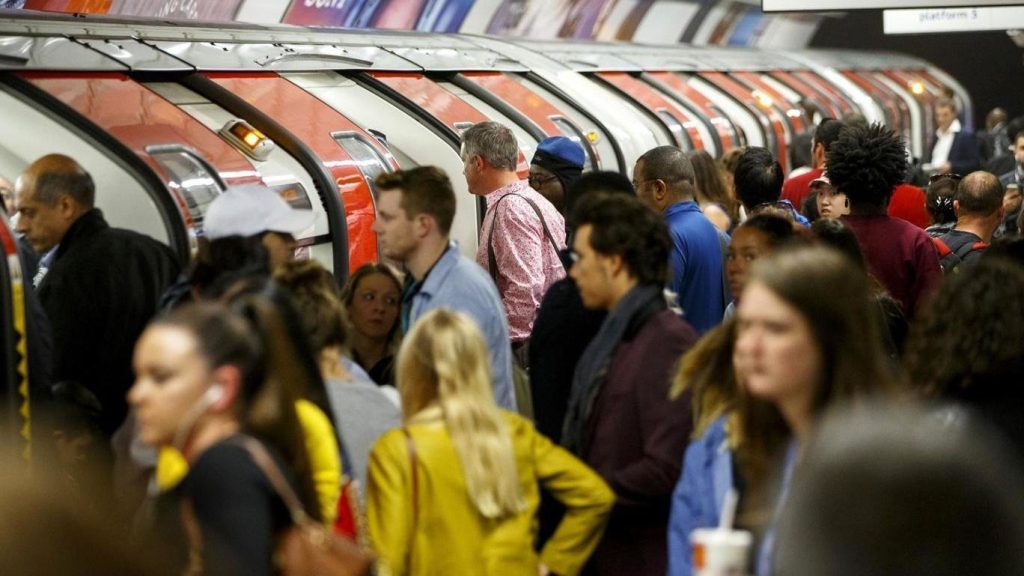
(664, 180)
(415, 209)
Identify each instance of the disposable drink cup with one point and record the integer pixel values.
(720, 552)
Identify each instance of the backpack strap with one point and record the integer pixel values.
(941, 247)
(492, 260)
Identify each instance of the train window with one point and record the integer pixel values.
(570, 131)
(677, 129)
(600, 143)
(191, 177)
(461, 127)
(366, 157)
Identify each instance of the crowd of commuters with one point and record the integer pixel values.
(827, 362)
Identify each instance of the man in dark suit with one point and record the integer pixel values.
(101, 284)
(953, 149)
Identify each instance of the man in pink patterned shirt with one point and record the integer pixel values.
(522, 231)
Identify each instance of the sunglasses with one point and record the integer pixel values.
(937, 177)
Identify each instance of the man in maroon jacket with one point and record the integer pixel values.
(620, 419)
(865, 163)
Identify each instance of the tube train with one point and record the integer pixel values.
(165, 117)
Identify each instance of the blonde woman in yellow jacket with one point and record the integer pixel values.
(469, 504)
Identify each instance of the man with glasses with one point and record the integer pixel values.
(522, 231)
(664, 180)
(556, 166)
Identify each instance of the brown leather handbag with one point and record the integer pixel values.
(306, 547)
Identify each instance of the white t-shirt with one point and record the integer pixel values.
(944, 143)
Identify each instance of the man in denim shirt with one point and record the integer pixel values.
(415, 209)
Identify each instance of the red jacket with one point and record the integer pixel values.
(907, 203)
(798, 187)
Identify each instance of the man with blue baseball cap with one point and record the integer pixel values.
(556, 166)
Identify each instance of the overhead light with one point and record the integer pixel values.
(917, 87)
(249, 140)
(763, 100)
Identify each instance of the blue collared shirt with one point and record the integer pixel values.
(458, 283)
(695, 263)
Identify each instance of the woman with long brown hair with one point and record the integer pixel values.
(806, 340)
(712, 191)
(456, 490)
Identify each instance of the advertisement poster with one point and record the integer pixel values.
(210, 10)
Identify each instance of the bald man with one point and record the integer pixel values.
(978, 204)
(98, 285)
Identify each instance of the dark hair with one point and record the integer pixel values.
(758, 177)
(70, 179)
(777, 229)
(980, 194)
(598, 181)
(832, 232)
(315, 296)
(867, 163)
(624, 226)
(670, 165)
(827, 132)
(709, 183)
(592, 183)
(971, 337)
(223, 262)
(881, 491)
(939, 200)
(809, 207)
(425, 190)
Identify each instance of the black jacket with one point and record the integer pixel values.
(99, 293)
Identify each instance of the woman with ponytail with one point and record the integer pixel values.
(219, 386)
(456, 490)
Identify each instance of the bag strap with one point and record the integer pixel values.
(261, 457)
(411, 449)
(492, 260)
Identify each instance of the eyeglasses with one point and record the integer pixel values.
(776, 205)
(937, 177)
(638, 184)
(538, 181)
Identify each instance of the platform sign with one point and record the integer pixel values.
(845, 5)
(952, 20)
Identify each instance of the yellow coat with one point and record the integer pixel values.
(452, 538)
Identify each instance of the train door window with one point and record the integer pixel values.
(572, 132)
(603, 148)
(527, 143)
(677, 129)
(280, 170)
(191, 177)
(369, 161)
(412, 140)
(31, 132)
(755, 134)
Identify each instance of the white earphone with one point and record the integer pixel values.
(213, 394)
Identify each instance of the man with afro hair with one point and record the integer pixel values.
(866, 163)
